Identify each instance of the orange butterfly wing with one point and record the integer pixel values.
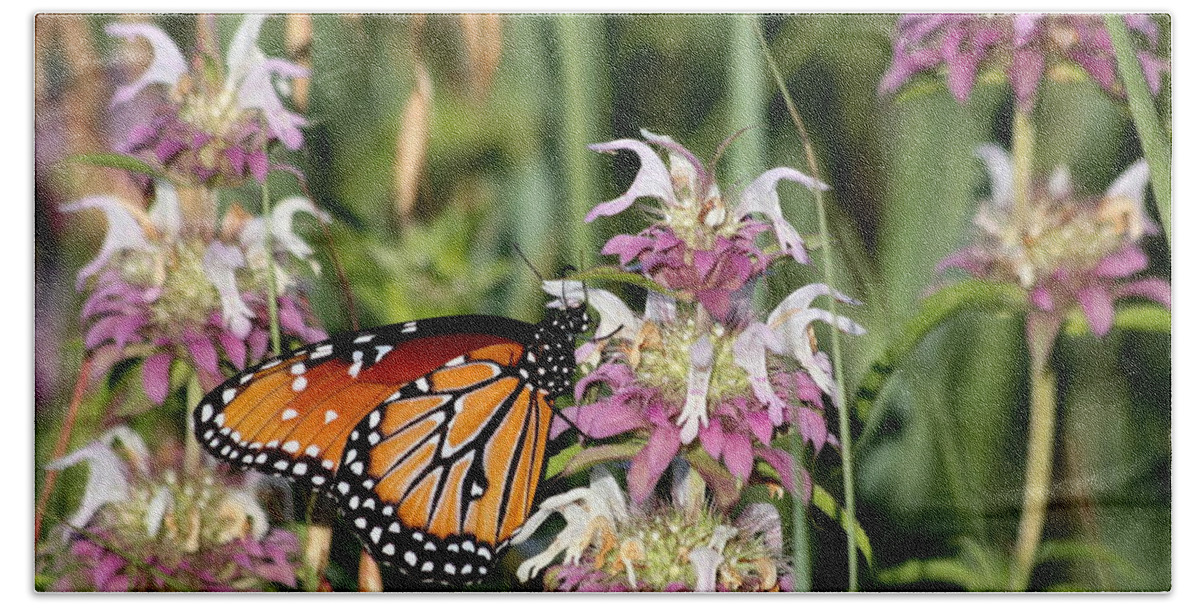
(291, 415)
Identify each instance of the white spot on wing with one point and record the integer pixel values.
(380, 351)
(330, 416)
(229, 394)
(206, 412)
(299, 383)
(288, 414)
(364, 338)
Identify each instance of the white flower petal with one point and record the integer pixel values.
(790, 321)
(282, 216)
(257, 92)
(220, 261)
(124, 231)
(652, 179)
(660, 307)
(762, 196)
(581, 508)
(721, 535)
(999, 166)
(246, 503)
(165, 213)
(108, 477)
(684, 166)
(750, 353)
(253, 235)
(243, 54)
(1132, 185)
(695, 407)
(1060, 183)
(802, 299)
(166, 67)
(156, 509)
(705, 561)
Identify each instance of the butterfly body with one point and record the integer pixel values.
(430, 434)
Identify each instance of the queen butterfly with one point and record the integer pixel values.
(430, 435)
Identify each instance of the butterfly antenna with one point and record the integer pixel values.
(537, 274)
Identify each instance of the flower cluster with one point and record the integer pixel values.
(1027, 46)
(1061, 247)
(696, 367)
(142, 527)
(696, 382)
(158, 291)
(612, 545)
(213, 121)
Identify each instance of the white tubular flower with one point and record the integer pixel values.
(999, 167)
(750, 353)
(108, 478)
(166, 67)
(165, 212)
(220, 263)
(125, 231)
(695, 408)
(761, 197)
(280, 224)
(157, 508)
(591, 513)
(652, 179)
(705, 561)
(790, 320)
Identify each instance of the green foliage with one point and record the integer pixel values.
(939, 407)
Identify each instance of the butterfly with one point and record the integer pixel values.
(430, 435)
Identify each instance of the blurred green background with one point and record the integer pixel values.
(509, 106)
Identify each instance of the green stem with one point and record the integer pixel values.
(193, 393)
(1023, 140)
(1038, 468)
(748, 87)
(1155, 144)
(272, 285)
(801, 560)
(839, 400)
(579, 36)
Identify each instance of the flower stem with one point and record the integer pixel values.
(839, 400)
(1038, 466)
(191, 446)
(580, 38)
(272, 286)
(1155, 144)
(60, 448)
(801, 560)
(1023, 140)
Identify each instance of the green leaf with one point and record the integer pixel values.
(115, 161)
(975, 568)
(616, 275)
(593, 456)
(726, 488)
(823, 500)
(935, 310)
(558, 462)
(1135, 317)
